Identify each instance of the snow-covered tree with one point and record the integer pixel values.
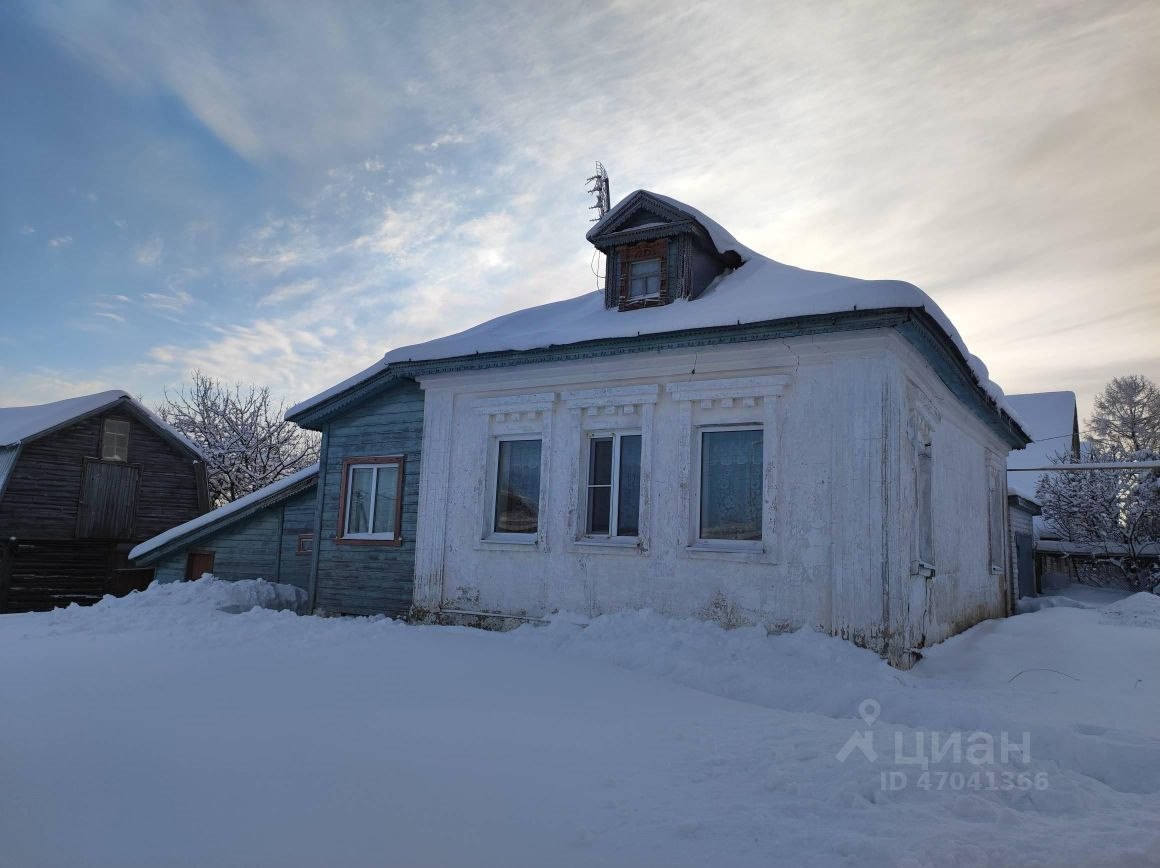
(247, 442)
(1126, 416)
(1115, 512)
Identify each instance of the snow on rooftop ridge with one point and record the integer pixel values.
(221, 512)
(722, 239)
(760, 290)
(18, 424)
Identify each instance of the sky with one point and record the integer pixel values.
(278, 193)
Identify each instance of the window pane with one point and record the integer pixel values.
(599, 485)
(517, 495)
(731, 471)
(115, 440)
(628, 488)
(358, 509)
(644, 278)
(386, 497)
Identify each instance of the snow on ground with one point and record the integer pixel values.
(164, 730)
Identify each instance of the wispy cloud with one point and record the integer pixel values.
(60, 241)
(174, 301)
(149, 253)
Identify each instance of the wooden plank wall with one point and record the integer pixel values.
(43, 492)
(246, 550)
(297, 518)
(369, 579)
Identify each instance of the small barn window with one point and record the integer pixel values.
(371, 500)
(613, 507)
(305, 544)
(731, 484)
(517, 486)
(115, 440)
(644, 279)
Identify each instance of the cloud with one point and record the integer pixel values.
(60, 241)
(149, 253)
(116, 317)
(175, 301)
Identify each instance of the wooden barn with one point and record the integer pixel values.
(81, 482)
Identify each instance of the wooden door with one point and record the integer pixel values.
(108, 502)
(1025, 562)
(197, 563)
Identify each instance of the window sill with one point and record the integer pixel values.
(610, 545)
(509, 542)
(730, 551)
(367, 541)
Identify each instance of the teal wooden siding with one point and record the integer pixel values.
(369, 579)
(255, 547)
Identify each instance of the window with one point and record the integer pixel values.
(731, 484)
(613, 504)
(371, 500)
(115, 440)
(305, 544)
(517, 486)
(644, 278)
(925, 503)
(996, 508)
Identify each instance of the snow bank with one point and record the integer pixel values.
(630, 739)
(1138, 610)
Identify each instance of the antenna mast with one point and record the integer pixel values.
(599, 188)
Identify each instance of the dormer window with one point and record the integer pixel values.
(644, 279)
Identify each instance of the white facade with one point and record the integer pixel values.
(852, 424)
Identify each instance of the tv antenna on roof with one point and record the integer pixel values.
(599, 188)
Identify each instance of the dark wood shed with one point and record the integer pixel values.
(81, 482)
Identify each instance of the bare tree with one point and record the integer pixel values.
(1126, 417)
(247, 442)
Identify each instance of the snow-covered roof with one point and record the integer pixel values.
(271, 494)
(18, 424)
(1049, 419)
(760, 290)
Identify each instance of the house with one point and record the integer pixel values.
(268, 534)
(81, 481)
(712, 434)
(1052, 422)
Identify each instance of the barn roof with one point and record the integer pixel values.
(215, 520)
(21, 424)
(760, 290)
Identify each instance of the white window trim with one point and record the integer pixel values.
(490, 533)
(739, 402)
(609, 538)
(596, 413)
(350, 469)
(514, 417)
(996, 518)
(695, 484)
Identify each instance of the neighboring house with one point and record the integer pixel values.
(268, 534)
(713, 434)
(1052, 421)
(82, 481)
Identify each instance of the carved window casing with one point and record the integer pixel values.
(612, 415)
(922, 419)
(729, 421)
(644, 254)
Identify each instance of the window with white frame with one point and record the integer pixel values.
(613, 501)
(517, 485)
(644, 278)
(371, 500)
(731, 489)
(115, 440)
